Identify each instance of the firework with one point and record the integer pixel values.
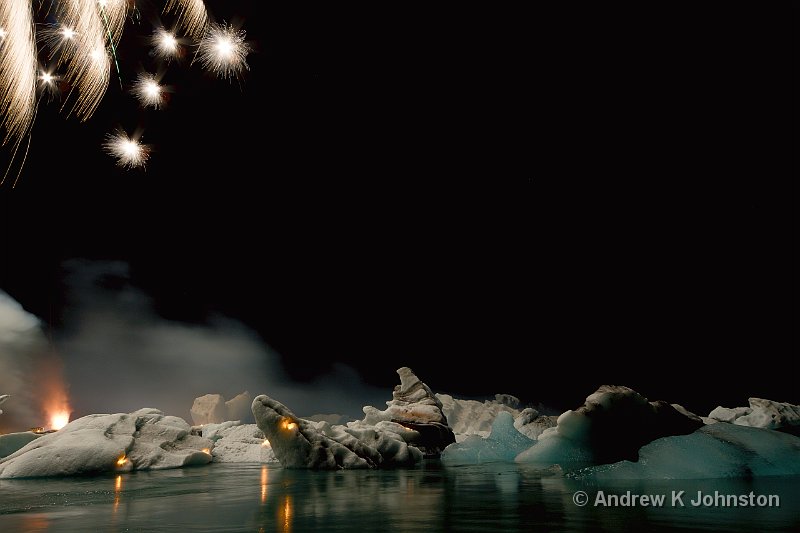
(148, 91)
(223, 50)
(165, 45)
(18, 64)
(192, 16)
(48, 83)
(79, 43)
(129, 152)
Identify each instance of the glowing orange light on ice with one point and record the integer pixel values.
(265, 443)
(59, 419)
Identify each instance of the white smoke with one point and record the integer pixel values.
(120, 355)
(23, 347)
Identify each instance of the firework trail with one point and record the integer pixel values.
(17, 69)
(192, 15)
(81, 47)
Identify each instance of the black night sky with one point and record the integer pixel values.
(528, 203)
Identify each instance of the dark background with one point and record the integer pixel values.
(532, 202)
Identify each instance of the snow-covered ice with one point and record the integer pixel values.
(761, 413)
(142, 440)
(235, 443)
(213, 409)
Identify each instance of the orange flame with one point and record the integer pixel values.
(59, 419)
(54, 392)
(122, 459)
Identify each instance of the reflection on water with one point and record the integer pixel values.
(264, 483)
(501, 497)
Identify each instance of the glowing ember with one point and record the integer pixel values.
(223, 50)
(148, 91)
(128, 151)
(288, 425)
(59, 420)
(165, 43)
(207, 451)
(122, 459)
(265, 443)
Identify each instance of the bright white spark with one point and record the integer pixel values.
(87, 66)
(129, 152)
(48, 85)
(59, 39)
(148, 91)
(223, 50)
(165, 44)
(192, 15)
(18, 66)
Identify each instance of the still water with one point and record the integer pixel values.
(430, 498)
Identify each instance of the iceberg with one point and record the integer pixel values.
(761, 413)
(720, 450)
(143, 440)
(503, 444)
(3, 398)
(611, 425)
(472, 417)
(414, 413)
(11, 442)
(213, 409)
(239, 443)
(299, 443)
(532, 424)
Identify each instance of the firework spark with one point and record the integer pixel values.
(165, 45)
(48, 82)
(58, 39)
(192, 15)
(128, 151)
(223, 50)
(147, 90)
(81, 45)
(87, 63)
(18, 64)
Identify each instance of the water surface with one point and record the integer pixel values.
(430, 498)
